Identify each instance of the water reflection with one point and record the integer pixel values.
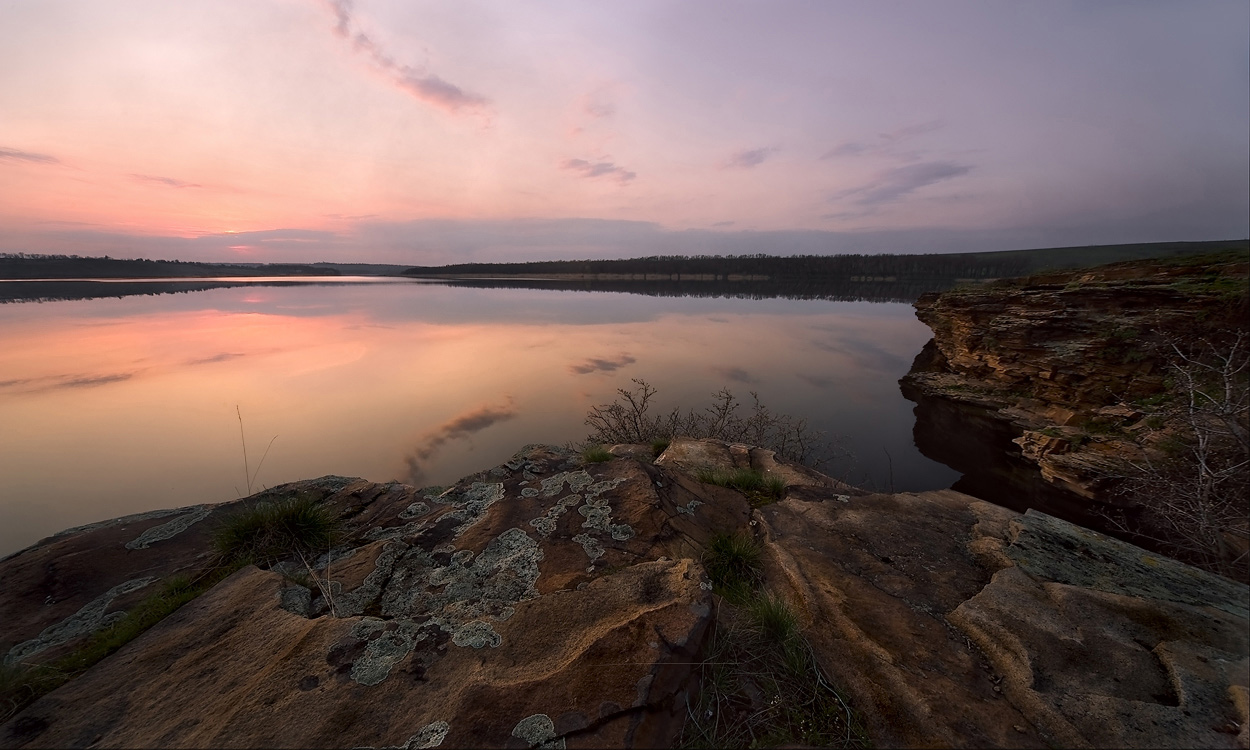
(117, 405)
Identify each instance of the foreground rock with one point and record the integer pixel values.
(546, 602)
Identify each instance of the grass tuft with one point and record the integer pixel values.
(266, 532)
(659, 445)
(732, 562)
(596, 454)
(761, 690)
(759, 488)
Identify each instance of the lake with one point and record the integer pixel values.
(116, 405)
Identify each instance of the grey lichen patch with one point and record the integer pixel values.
(295, 599)
(476, 634)
(388, 643)
(430, 735)
(170, 528)
(124, 520)
(598, 515)
(529, 492)
(546, 524)
(412, 511)
(592, 547)
(471, 504)
(539, 731)
(504, 573)
(621, 531)
(354, 602)
(688, 508)
(86, 620)
(576, 480)
(1052, 549)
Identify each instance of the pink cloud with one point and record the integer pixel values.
(422, 85)
(598, 169)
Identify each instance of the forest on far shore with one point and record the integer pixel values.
(894, 267)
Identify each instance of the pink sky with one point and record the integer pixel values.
(416, 132)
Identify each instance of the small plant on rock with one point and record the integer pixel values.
(760, 489)
(268, 531)
(732, 562)
(596, 454)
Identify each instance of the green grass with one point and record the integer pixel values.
(759, 488)
(268, 531)
(22, 684)
(659, 445)
(596, 454)
(733, 564)
(761, 686)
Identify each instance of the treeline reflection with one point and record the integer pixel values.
(885, 290)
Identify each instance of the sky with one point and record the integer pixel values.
(435, 132)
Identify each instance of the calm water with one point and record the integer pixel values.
(118, 405)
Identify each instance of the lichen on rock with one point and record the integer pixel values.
(170, 528)
(88, 619)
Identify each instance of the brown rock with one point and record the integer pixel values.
(545, 601)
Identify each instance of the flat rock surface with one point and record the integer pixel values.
(550, 602)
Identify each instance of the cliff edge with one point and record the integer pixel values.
(1102, 395)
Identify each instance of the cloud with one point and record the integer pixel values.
(736, 374)
(601, 365)
(895, 183)
(723, 224)
(818, 381)
(882, 142)
(457, 428)
(749, 158)
(167, 181)
(215, 358)
(911, 131)
(424, 86)
(12, 154)
(598, 106)
(600, 169)
(89, 382)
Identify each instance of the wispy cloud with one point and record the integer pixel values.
(882, 142)
(54, 382)
(598, 169)
(736, 374)
(898, 182)
(13, 154)
(215, 358)
(423, 85)
(595, 364)
(166, 181)
(460, 427)
(89, 382)
(823, 382)
(749, 158)
(598, 105)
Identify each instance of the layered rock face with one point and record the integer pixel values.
(1064, 363)
(551, 603)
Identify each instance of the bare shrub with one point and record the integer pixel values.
(628, 419)
(1191, 481)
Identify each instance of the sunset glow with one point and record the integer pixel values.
(426, 132)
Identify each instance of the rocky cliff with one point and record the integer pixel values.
(550, 602)
(1069, 376)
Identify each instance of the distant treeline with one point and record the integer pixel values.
(858, 268)
(28, 266)
(906, 290)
